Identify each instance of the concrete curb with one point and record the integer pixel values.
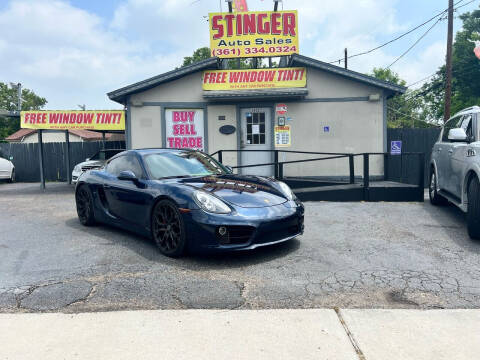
(243, 334)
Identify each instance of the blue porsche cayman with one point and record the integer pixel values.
(186, 200)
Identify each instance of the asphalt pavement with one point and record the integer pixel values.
(352, 255)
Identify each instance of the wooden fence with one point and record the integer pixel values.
(26, 158)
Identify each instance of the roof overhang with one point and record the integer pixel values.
(120, 95)
(390, 88)
(260, 94)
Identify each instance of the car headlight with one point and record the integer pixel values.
(286, 190)
(210, 203)
(77, 168)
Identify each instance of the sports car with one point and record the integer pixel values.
(187, 200)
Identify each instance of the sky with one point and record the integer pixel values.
(72, 52)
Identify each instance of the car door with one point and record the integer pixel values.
(5, 169)
(459, 154)
(442, 154)
(126, 200)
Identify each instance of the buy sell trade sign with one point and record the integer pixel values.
(254, 34)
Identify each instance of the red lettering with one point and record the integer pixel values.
(280, 75)
(191, 116)
(229, 20)
(99, 117)
(249, 24)
(88, 118)
(178, 143)
(108, 118)
(184, 142)
(170, 142)
(176, 116)
(72, 118)
(234, 76)
(276, 23)
(53, 118)
(199, 143)
(218, 27)
(79, 118)
(205, 77)
(289, 24)
(262, 28)
(175, 129)
(192, 142)
(270, 75)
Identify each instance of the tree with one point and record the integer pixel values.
(198, 55)
(465, 74)
(205, 53)
(8, 101)
(402, 110)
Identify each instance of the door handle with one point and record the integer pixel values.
(439, 149)
(450, 151)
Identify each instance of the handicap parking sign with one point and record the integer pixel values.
(396, 147)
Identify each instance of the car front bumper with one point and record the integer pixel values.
(247, 228)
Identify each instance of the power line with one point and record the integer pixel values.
(416, 42)
(401, 36)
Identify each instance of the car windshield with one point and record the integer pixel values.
(105, 154)
(182, 164)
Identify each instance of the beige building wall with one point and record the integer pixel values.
(186, 89)
(354, 127)
(49, 137)
(218, 141)
(146, 128)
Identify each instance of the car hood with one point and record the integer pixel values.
(92, 164)
(243, 191)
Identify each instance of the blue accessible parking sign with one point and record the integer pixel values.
(396, 147)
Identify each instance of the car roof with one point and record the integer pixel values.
(147, 151)
(472, 109)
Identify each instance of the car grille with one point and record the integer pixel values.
(278, 230)
(236, 235)
(90, 167)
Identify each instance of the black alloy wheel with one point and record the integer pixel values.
(84, 201)
(168, 229)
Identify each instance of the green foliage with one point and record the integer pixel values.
(242, 63)
(402, 110)
(198, 55)
(8, 101)
(465, 74)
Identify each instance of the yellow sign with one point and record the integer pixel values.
(254, 79)
(254, 34)
(80, 120)
(283, 136)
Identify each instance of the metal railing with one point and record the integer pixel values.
(279, 165)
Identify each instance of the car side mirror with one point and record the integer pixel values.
(127, 175)
(229, 169)
(87, 159)
(458, 134)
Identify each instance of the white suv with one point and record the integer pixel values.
(455, 167)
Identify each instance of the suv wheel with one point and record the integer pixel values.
(435, 198)
(473, 209)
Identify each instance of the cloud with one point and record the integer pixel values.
(72, 56)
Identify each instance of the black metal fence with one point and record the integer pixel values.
(26, 158)
(404, 168)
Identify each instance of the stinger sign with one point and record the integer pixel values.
(254, 34)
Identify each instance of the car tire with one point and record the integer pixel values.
(473, 209)
(84, 202)
(12, 177)
(435, 198)
(168, 228)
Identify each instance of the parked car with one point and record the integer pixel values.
(94, 162)
(455, 167)
(7, 170)
(185, 199)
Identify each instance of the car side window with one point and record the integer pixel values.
(451, 124)
(467, 125)
(123, 163)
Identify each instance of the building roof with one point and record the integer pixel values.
(84, 134)
(300, 60)
(256, 94)
(121, 94)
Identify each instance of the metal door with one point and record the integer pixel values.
(256, 135)
(460, 154)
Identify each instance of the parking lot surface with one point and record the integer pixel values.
(352, 255)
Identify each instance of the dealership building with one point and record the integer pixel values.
(335, 110)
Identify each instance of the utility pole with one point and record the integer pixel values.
(19, 97)
(448, 75)
(346, 58)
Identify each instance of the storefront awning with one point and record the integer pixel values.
(285, 93)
